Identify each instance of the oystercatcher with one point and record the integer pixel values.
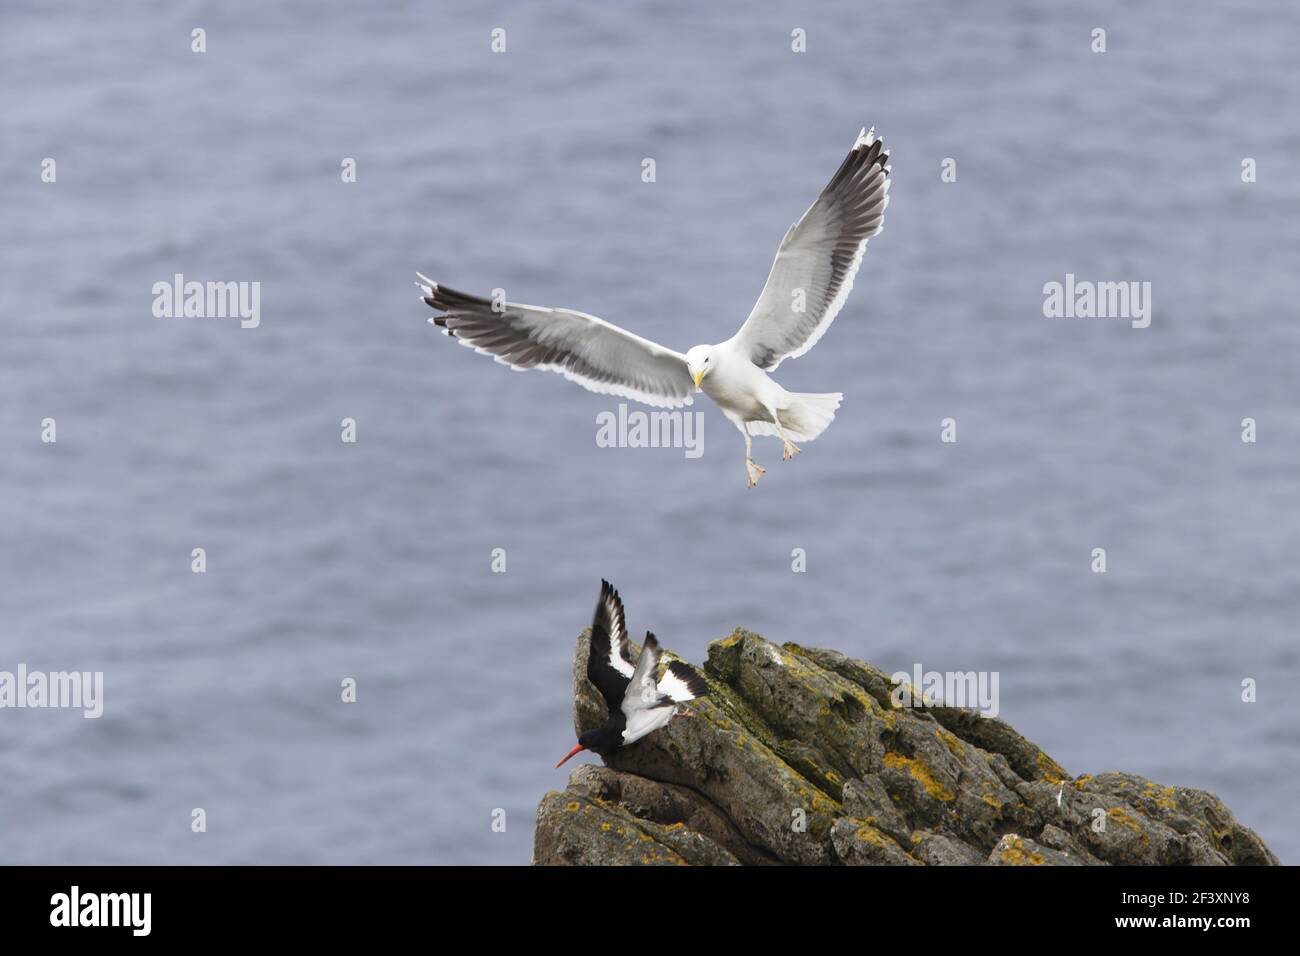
(638, 704)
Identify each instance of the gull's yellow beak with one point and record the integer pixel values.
(699, 374)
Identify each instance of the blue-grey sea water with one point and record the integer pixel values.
(523, 170)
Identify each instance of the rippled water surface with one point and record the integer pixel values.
(523, 170)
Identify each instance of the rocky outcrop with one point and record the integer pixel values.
(799, 756)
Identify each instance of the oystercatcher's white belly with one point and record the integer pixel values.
(647, 721)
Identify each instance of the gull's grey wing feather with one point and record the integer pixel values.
(594, 353)
(819, 255)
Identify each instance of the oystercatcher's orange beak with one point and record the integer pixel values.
(570, 754)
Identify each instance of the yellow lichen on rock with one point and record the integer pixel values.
(951, 741)
(921, 773)
(1015, 854)
(1051, 770)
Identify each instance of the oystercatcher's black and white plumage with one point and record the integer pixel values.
(638, 703)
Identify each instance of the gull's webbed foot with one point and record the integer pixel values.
(790, 450)
(753, 471)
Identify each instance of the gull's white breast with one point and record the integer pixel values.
(741, 387)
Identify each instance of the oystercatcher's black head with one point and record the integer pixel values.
(600, 740)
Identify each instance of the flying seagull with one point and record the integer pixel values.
(809, 281)
(639, 701)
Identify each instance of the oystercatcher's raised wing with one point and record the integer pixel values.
(642, 689)
(681, 683)
(608, 663)
(649, 704)
(818, 259)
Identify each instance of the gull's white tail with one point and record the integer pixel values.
(806, 417)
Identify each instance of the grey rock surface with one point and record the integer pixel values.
(800, 756)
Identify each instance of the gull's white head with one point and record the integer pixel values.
(700, 361)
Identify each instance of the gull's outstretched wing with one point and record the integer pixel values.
(817, 260)
(587, 350)
(608, 666)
